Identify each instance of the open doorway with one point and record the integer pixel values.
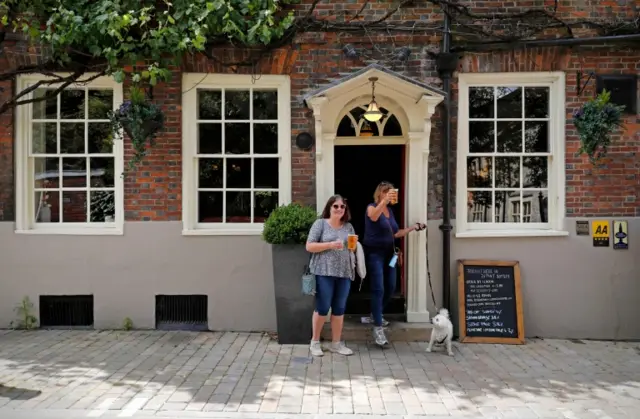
(358, 170)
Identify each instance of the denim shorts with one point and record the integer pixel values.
(332, 292)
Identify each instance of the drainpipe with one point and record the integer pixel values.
(446, 63)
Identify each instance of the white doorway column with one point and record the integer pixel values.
(414, 104)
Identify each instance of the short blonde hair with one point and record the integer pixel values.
(380, 189)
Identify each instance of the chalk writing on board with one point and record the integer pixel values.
(490, 309)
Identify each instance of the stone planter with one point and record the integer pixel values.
(293, 309)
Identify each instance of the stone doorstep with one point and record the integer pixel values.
(355, 331)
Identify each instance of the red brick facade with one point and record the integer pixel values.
(153, 192)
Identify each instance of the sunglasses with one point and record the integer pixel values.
(336, 206)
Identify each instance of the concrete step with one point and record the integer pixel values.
(355, 331)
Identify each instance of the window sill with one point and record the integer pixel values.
(224, 232)
(72, 232)
(510, 233)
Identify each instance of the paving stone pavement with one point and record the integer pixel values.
(247, 375)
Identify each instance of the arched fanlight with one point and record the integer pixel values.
(373, 113)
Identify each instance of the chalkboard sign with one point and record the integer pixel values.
(490, 302)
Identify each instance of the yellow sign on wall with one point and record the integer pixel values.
(600, 232)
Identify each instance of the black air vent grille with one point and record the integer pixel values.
(623, 88)
(66, 310)
(181, 312)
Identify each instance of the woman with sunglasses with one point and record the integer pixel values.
(331, 264)
(381, 230)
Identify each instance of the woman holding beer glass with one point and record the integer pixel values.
(381, 230)
(331, 239)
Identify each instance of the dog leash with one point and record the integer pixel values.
(433, 297)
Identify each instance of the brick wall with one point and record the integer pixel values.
(153, 191)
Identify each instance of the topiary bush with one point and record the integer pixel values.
(289, 224)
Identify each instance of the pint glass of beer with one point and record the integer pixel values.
(352, 241)
(394, 197)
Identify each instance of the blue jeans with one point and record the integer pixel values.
(383, 283)
(332, 292)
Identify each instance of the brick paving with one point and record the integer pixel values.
(248, 375)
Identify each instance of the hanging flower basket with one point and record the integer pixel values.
(596, 121)
(141, 121)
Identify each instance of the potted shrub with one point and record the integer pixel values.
(286, 229)
(596, 121)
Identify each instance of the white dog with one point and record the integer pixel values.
(442, 331)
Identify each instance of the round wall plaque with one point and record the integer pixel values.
(304, 141)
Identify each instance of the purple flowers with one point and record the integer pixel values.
(577, 114)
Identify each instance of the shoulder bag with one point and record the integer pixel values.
(309, 279)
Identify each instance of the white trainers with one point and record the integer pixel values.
(316, 348)
(369, 320)
(340, 348)
(379, 336)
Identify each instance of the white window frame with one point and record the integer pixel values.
(556, 175)
(25, 217)
(191, 82)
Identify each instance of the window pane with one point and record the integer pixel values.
(479, 207)
(509, 137)
(265, 173)
(509, 102)
(237, 138)
(238, 173)
(507, 172)
(102, 172)
(507, 206)
(74, 206)
(209, 207)
(263, 204)
(236, 104)
(265, 138)
(536, 172)
(100, 103)
(72, 138)
(209, 104)
(536, 137)
(103, 206)
(369, 129)
(346, 128)
(44, 138)
(238, 207)
(46, 108)
(74, 172)
(47, 207)
(392, 127)
(100, 137)
(481, 102)
(479, 174)
(536, 102)
(210, 173)
(72, 104)
(358, 112)
(46, 172)
(539, 206)
(481, 137)
(265, 104)
(209, 138)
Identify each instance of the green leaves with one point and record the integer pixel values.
(596, 121)
(289, 224)
(125, 32)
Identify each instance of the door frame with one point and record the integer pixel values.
(404, 196)
(414, 104)
(416, 165)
